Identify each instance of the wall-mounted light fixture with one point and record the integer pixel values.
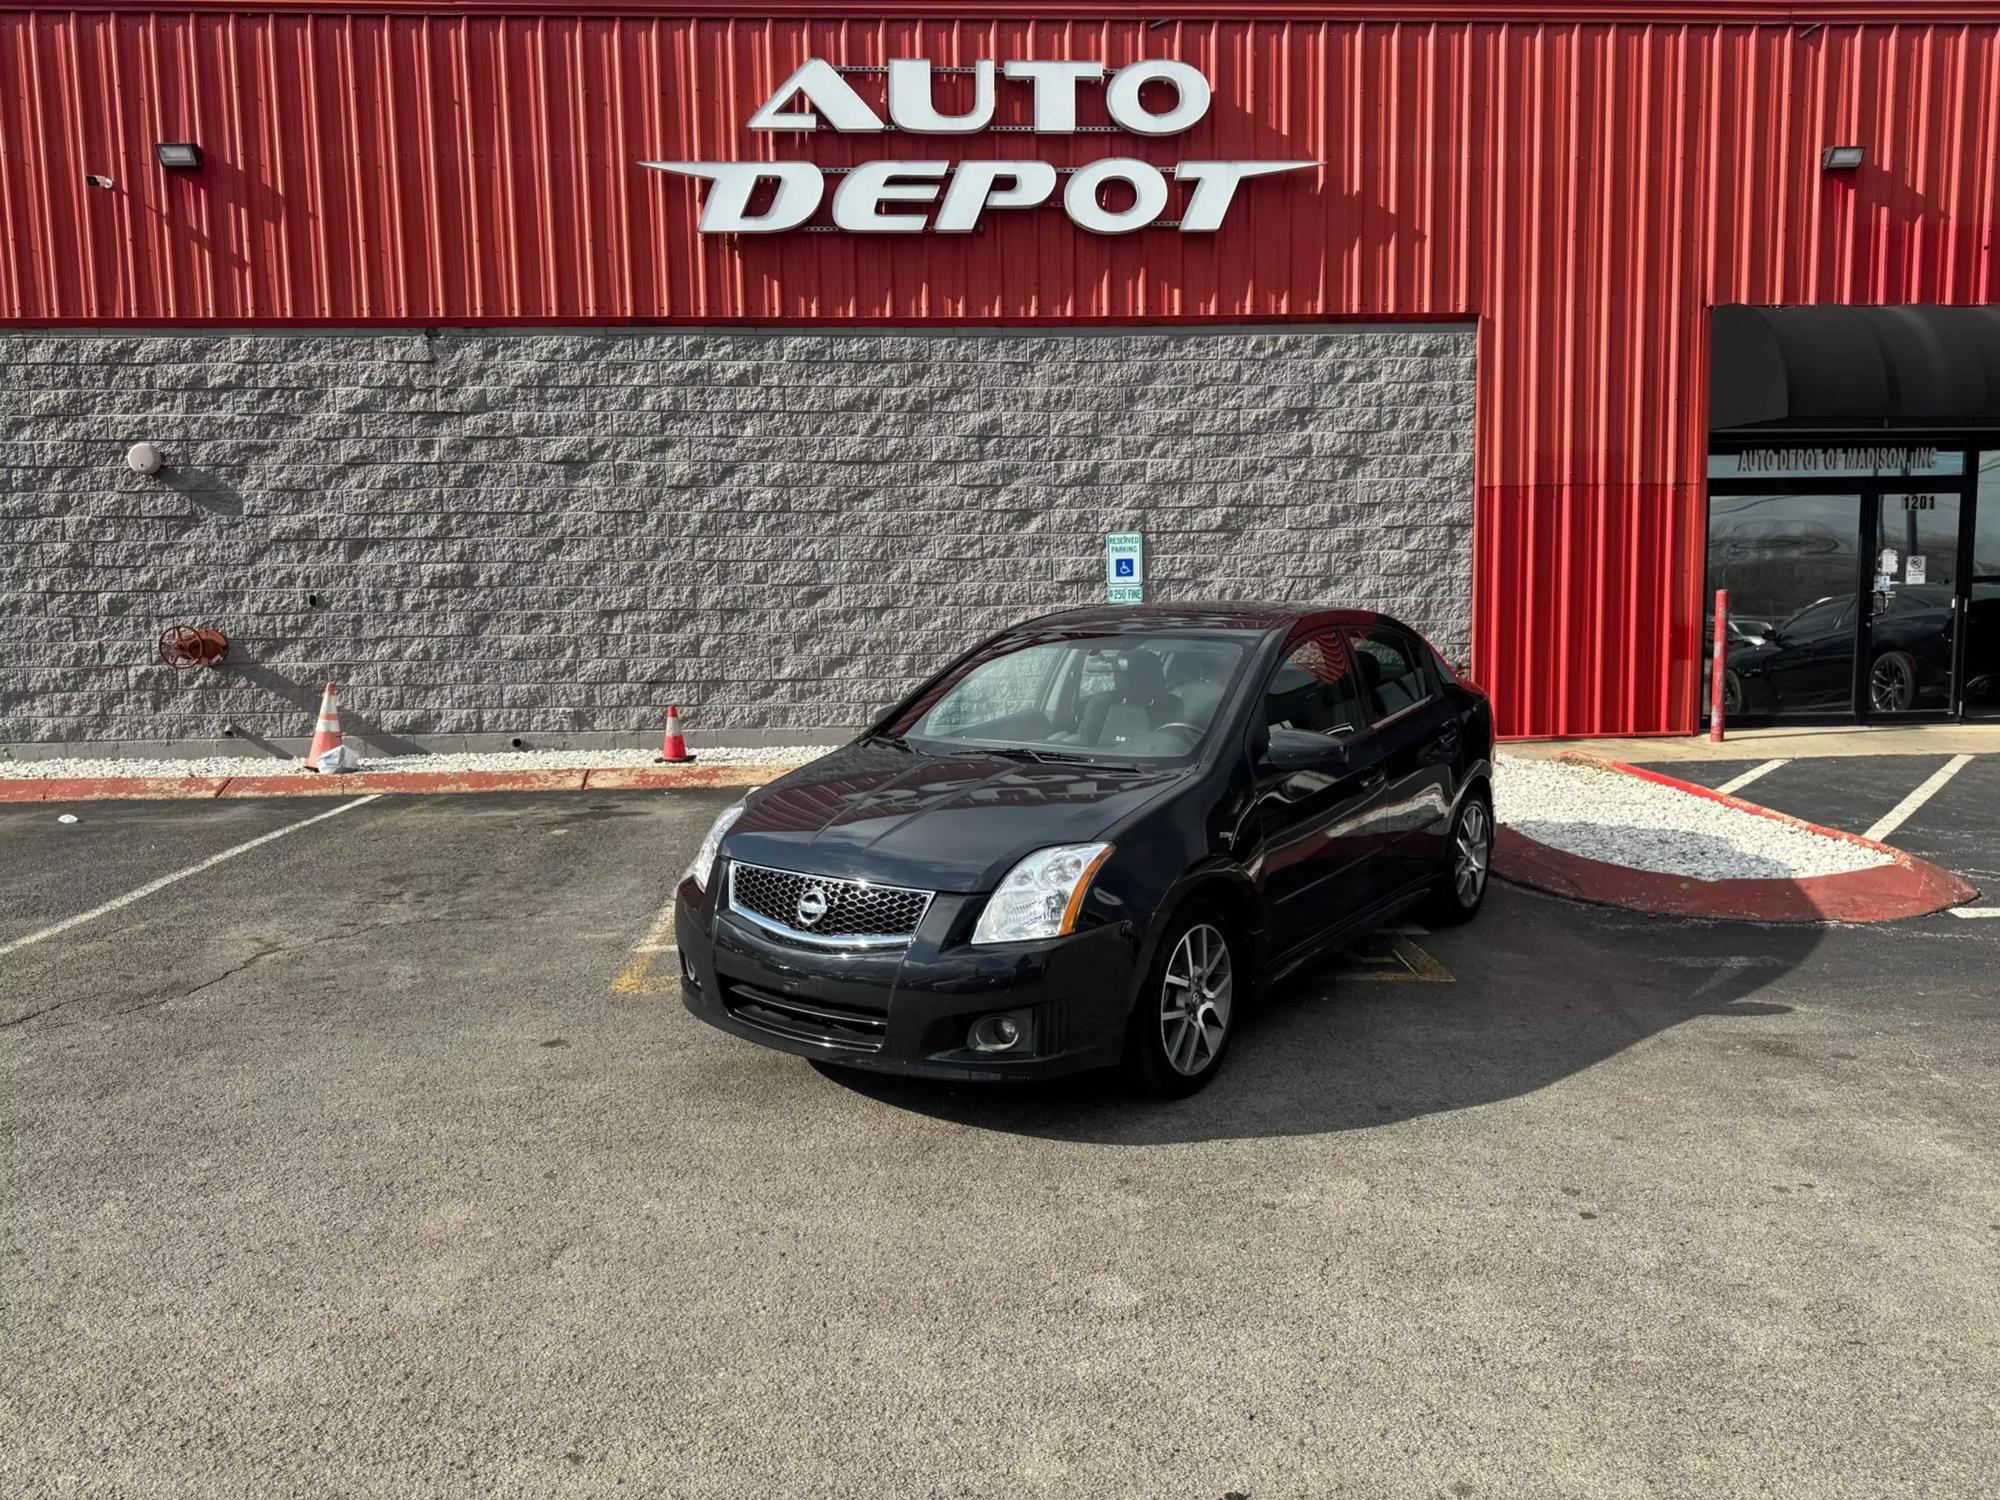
(180, 155)
(144, 458)
(1842, 158)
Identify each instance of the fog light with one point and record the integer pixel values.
(997, 1034)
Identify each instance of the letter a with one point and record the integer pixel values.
(822, 89)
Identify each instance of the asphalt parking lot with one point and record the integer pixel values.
(379, 1159)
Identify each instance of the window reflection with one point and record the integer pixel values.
(1790, 563)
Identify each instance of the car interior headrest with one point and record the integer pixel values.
(1143, 676)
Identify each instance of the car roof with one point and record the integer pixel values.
(1197, 614)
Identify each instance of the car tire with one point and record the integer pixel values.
(1172, 1049)
(1468, 864)
(1732, 694)
(1892, 683)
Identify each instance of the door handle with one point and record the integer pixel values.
(1372, 779)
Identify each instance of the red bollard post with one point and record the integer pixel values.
(1719, 668)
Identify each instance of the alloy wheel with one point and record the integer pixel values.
(1889, 686)
(1194, 999)
(1472, 852)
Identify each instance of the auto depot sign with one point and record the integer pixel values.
(945, 197)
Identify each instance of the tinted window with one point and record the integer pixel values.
(1313, 692)
(1821, 619)
(1392, 666)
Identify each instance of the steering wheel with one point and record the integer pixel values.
(1193, 729)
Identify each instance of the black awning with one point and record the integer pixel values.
(1854, 367)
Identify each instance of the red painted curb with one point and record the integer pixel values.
(1905, 887)
(627, 778)
(101, 788)
(158, 788)
(402, 781)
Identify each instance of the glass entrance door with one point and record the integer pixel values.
(1910, 664)
(1864, 578)
(1790, 563)
(1979, 657)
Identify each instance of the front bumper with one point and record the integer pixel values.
(907, 1010)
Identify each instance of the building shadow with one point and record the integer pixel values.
(1542, 989)
(1719, 858)
(305, 697)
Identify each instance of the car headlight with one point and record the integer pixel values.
(1041, 895)
(704, 858)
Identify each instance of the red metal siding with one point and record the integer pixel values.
(1585, 189)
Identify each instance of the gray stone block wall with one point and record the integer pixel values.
(553, 533)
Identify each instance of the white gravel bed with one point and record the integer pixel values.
(496, 760)
(1625, 820)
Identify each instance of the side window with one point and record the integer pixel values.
(1314, 692)
(1818, 621)
(1392, 666)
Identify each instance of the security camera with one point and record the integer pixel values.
(96, 181)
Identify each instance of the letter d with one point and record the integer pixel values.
(731, 183)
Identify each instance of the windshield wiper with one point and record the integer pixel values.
(1052, 757)
(894, 741)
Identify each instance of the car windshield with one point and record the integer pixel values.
(1096, 698)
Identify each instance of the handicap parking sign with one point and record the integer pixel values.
(1125, 568)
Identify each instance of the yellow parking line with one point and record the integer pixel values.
(659, 938)
(1389, 958)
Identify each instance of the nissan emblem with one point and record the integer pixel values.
(812, 905)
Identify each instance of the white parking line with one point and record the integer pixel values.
(118, 903)
(1896, 816)
(1735, 784)
(1976, 911)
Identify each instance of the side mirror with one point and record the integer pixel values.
(1302, 750)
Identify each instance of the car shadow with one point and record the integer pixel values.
(1541, 989)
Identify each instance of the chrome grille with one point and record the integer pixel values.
(851, 913)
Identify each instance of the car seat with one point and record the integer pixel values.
(1137, 704)
(1394, 694)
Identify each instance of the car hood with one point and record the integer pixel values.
(938, 823)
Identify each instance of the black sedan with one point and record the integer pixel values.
(1089, 840)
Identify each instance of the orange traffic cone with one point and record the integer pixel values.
(673, 748)
(327, 736)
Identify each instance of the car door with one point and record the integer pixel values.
(1318, 791)
(1813, 665)
(1417, 748)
